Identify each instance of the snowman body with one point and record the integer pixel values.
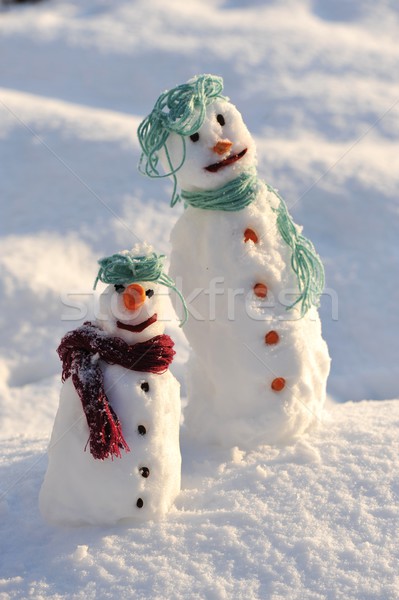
(232, 368)
(141, 483)
(79, 489)
(258, 368)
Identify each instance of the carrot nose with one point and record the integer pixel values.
(133, 296)
(222, 147)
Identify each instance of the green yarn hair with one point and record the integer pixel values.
(181, 110)
(305, 262)
(125, 267)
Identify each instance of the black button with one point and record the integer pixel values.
(145, 386)
(145, 472)
(141, 429)
(140, 503)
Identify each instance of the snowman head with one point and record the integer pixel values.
(197, 135)
(132, 306)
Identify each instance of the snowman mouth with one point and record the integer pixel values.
(140, 327)
(226, 162)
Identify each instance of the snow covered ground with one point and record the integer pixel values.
(317, 520)
(316, 81)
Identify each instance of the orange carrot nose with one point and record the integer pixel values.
(222, 147)
(133, 296)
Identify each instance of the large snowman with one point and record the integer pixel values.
(258, 367)
(114, 451)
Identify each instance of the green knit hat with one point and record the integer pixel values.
(127, 267)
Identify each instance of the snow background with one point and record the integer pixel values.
(316, 82)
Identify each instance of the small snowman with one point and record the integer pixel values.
(114, 451)
(258, 368)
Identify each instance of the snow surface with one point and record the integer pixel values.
(316, 82)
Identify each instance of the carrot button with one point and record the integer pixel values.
(260, 290)
(272, 337)
(278, 384)
(249, 234)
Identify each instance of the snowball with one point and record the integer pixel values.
(80, 553)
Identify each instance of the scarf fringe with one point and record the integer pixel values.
(108, 440)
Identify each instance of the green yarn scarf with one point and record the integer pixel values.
(233, 196)
(305, 262)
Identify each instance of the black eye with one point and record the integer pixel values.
(220, 119)
(119, 288)
(194, 137)
(149, 293)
